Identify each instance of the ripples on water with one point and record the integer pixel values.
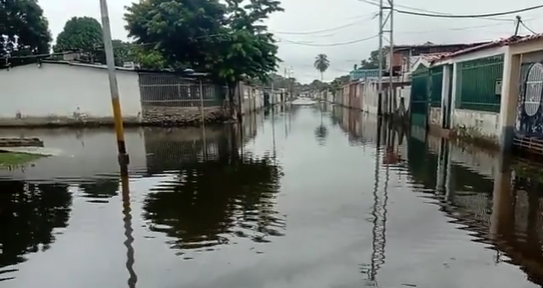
(209, 193)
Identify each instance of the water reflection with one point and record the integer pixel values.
(128, 230)
(216, 199)
(504, 213)
(500, 209)
(29, 215)
(99, 190)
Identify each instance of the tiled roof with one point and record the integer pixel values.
(496, 43)
(434, 56)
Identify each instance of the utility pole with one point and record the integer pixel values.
(385, 26)
(113, 85)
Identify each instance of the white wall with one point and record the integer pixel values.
(58, 90)
(370, 97)
(485, 123)
(435, 116)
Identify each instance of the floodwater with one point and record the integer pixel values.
(302, 197)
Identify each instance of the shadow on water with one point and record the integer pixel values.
(31, 216)
(216, 197)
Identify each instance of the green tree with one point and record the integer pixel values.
(228, 40)
(24, 28)
(373, 61)
(80, 34)
(182, 32)
(321, 64)
(150, 59)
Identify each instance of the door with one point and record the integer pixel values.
(419, 97)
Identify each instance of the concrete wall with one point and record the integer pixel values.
(370, 97)
(477, 123)
(59, 91)
(252, 99)
(435, 116)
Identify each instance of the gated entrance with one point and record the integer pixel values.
(529, 126)
(419, 96)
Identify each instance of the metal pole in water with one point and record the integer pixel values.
(113, 85)
(203, 118)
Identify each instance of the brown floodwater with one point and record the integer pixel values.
(306, 196)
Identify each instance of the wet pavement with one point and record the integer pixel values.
(303, 197)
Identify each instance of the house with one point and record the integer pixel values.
(492, 92)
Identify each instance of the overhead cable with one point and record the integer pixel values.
(329, 44)
(470, 15)
(328, 29)
(435, 14)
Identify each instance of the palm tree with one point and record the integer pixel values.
(321, 64)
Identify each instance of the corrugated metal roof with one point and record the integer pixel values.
(496, 43)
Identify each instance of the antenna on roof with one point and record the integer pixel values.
(518, 21)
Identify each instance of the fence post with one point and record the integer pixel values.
(178, 92)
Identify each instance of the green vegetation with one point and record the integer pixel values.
(227, 40)
(321, 64)
(25, 27)
(8, 159)
(79, 34)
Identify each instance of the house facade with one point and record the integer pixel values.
(491, 92)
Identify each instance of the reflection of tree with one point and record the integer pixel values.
(320, 133)
(28, 215)
(209, 200)
(100, 189)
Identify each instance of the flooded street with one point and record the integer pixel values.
(302, 197)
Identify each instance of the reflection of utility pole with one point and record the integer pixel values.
(379, 214)
(127, 219)
(273, 132)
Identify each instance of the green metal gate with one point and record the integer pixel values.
(419, 96)
(436, 85)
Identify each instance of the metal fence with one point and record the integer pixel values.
(164, 89)
(476, 88)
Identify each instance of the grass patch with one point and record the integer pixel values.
(15, 159)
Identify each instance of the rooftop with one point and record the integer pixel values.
(496, 43)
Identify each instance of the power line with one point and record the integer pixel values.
(470, 15)
(454, 29)
(431, 13)
(328, 29)
(330, 44)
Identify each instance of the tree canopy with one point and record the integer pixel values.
(23, 28)
(226, 40)
(373, 61)
(321, 63)
(80, 34)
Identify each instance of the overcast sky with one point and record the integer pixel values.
(310, 27)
